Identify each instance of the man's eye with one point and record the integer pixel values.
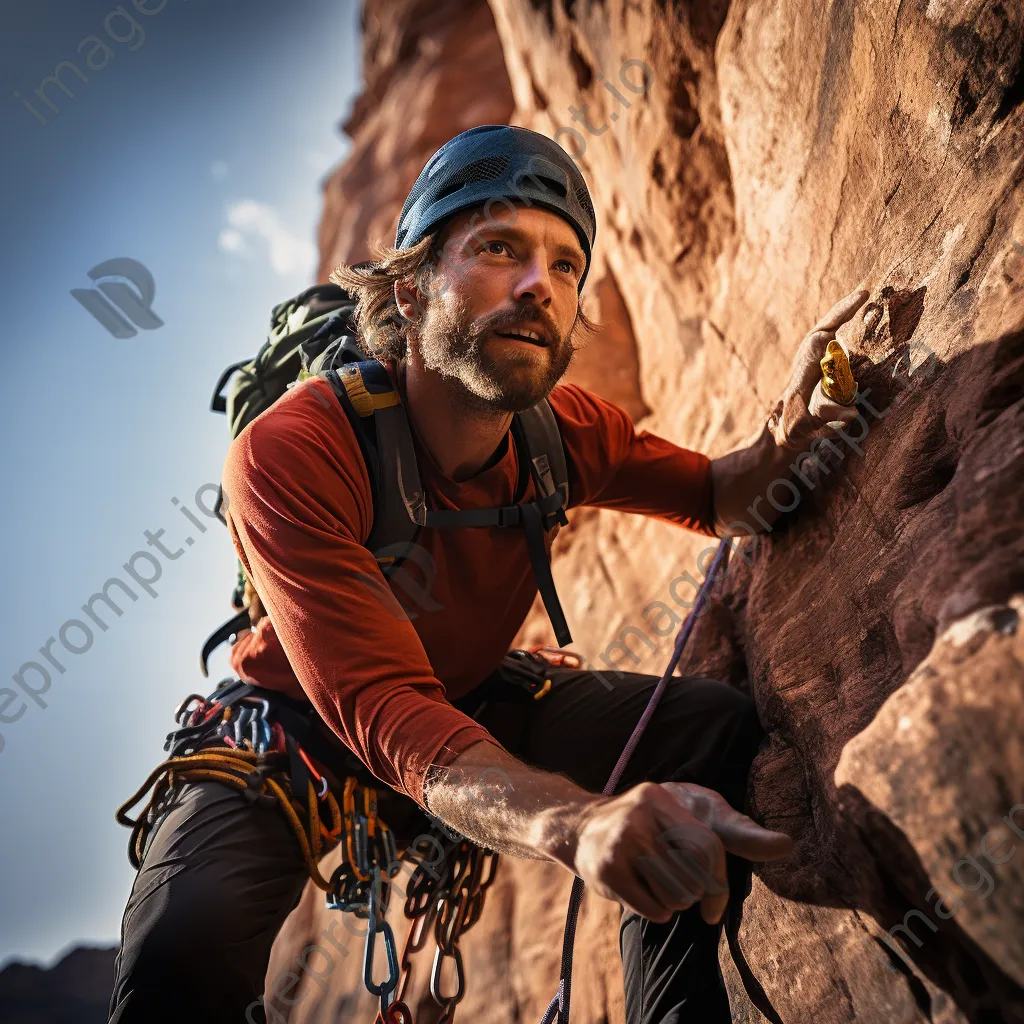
(569, 268)
(504, 245)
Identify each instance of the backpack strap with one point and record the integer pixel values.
(540, 434)
(400, 508)
(536, 431)
(366, 393)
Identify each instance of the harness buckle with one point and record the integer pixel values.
(556, 518)
(509, 515)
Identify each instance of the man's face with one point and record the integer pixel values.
(498, 279)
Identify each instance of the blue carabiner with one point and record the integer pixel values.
(261, 745)
(385, 988)
(376, 923)
(242, 720)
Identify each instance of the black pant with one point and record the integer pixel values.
(220, 875)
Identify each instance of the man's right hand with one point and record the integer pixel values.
(656, 848)
(660, 848)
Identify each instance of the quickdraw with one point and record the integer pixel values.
(378, 925)
(369, 859)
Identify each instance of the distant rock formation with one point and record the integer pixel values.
(750, 164)
(76, 990)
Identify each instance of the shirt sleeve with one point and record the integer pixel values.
(611, 465)
(299, 508)
(258, 658)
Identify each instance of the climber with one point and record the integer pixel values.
(475, 315)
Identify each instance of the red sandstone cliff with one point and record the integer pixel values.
(781, 154)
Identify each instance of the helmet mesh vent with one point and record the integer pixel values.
(485, 169)
(480, 170)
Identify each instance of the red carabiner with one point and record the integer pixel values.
(396, 1013)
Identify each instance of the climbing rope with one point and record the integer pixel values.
(558, 1008)
(252, 774)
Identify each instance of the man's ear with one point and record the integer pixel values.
(409, 301)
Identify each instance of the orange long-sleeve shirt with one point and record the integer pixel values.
(299, 509)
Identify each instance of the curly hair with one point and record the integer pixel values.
(383, 331)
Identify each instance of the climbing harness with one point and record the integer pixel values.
(249, 739)
(558, 1008)
(237, 738)
(257, 754)
(237, 743)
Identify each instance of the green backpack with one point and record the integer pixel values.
(313, 334)
(300, 330)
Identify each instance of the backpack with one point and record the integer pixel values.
(313, 334)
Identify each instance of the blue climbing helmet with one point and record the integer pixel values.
(498, 162)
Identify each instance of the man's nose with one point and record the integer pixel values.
(534, 283)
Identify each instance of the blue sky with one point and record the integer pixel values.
(198, 150)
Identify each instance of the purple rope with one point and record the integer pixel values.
(559, 1006)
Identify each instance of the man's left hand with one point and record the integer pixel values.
(804, 410)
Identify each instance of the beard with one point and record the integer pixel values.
(457, 347)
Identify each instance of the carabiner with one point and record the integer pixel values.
(261, 744)
(435, 977)
(396, 1013)
(385, 988)
(264, 702)
(242, 724)
(183, 707)
(376, 923)
(313, 771)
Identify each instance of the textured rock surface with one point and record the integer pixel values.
(773, 156)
